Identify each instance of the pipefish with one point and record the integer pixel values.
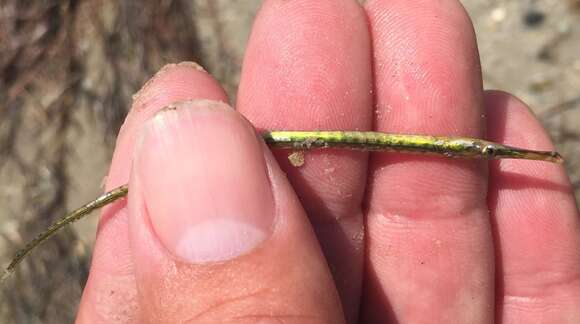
(450, 147)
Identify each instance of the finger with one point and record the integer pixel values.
(217, 233)
(430, 255)
(307, 67)
(536, 223)
(110, 293)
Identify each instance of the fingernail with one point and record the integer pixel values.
(205, 186)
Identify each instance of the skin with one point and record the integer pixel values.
(358, 237)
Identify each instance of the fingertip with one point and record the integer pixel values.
(212, 216)
(173, 83)
(426, 67)
(110, 292)
(308, 65)
(535, 221)
(427, 80)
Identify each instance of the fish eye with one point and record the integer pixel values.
(489, 150)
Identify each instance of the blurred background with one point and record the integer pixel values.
(68, 70)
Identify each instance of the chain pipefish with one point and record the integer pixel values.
(450, 147)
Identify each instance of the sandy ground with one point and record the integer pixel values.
(529, 48)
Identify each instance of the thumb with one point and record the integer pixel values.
(216, 231)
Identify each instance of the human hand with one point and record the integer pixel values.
(216, 229)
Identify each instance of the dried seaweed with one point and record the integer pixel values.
(60, 60)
